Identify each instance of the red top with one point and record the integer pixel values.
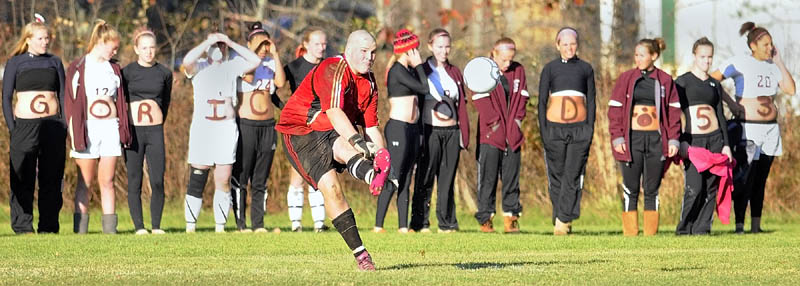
(331, 84)
(75, 105)
(620, 106)
(499, 111)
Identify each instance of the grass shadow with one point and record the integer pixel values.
(491, 265)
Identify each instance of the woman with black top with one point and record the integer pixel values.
(644, 121)
(701, 99)
(445, 131)
(96, 109)
(37, 129)
(149, 85)
(257, 137)
(407, 86)
(310, 52)
(566, 123)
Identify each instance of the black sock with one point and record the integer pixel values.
(360, 168)
(345, 223)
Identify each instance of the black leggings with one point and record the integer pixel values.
(254, 154)
(700, 189)
(566, 151)
(402, 140)
(439, 159)
(148, 142)
(647, 165)
(494, 163)
(37, 144)
(750, 179)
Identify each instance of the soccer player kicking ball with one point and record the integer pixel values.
(318, 123)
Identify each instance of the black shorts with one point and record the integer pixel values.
(312, 154)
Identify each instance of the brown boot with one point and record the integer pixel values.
(487, 226)
(511, 224)
(630, 223)
(561, 228)
(650, 222)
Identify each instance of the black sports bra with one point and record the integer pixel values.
(38, 79)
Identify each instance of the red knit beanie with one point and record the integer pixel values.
(404, 41)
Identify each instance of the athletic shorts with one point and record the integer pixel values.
(213, 142)
(312, 154)
(766, 136)
(103, 140)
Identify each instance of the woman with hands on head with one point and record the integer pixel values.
(213, 135)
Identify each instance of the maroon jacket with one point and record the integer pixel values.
(75, 105)
(620, 107)
(497, 116)
(463, 117)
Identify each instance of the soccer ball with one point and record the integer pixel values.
(481, 74)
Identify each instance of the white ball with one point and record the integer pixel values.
(481, 74)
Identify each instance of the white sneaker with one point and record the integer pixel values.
(296, 226)
(190, 227)
(260, 230)
(142, 232)
(158, 231)
(220, 228)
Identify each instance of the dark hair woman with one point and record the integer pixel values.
(257, 137)
(644, 121)
(755, 135)
(37, 129)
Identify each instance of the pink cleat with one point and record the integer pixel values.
(381, 165)
(365, 262)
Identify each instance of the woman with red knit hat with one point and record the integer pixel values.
(407, 85)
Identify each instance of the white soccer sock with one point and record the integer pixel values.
(317, 202)
(222, 205)
(294, 200)
(193, 206)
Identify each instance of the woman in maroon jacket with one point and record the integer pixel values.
(644, 123)
(445, 132)
(500, 115)
(97, 120)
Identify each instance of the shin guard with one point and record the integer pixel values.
(222, 205)
(317, 202)
(294, 200)
(345, 223)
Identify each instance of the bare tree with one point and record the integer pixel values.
(175, 37)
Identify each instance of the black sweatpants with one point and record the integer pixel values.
(494, 163)
(700, 189)
(254, 154)
(566, 149)
(402, 140)
(647, 165)
(750, 179)
(37, 148)
(148, 142)
(439, 159)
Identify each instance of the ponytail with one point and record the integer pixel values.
(654, 46)
(753, 33)
(102, 33)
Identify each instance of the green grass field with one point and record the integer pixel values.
(595, 254)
